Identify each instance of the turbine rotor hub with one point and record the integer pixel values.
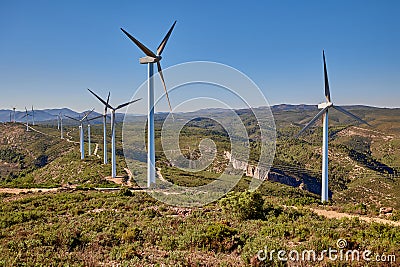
(148, 59)
(324, 105)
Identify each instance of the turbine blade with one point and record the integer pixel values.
(338, 108)
(108, 99)
(71, 118)
(312, 121)
(100, 99)
(86, 114)
(165, 40)
(327, 92)
(97, 117)
(163, 82)
(127, 103)
(142, 47)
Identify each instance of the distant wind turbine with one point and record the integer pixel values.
(81, 134)
(88, 132)
(60, 117)
(104, 126)
(113, 156)
(33, 116)
(27, 119)
(14, 113)
(58, 122)
(150, 59)
(324, 114)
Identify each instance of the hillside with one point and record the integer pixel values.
(131, 229)
(90, 228)
(359, 155)
(23, 152)
(39, 158)
(364, 161)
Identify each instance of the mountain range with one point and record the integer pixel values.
(48, 115)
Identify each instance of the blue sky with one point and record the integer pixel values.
(51, 51)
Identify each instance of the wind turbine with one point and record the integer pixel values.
(33, 116)
(324, 114)
(60, 117)
(88, 132)
(150, 59)
(58, 122)
(81, 134)
(104, 126)
(113, 156)
(27, 119)
(14, 113)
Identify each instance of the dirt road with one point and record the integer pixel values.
(330, 214)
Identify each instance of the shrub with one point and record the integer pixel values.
(395, 216)
(132, 234)
(244, 205)
(302, 201)
(151, 213)
(220, 238)
(125, 192)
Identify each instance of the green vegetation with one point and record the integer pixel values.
(83, 227)
(243, 205)
(86, 228)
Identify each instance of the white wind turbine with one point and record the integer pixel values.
(58, 122)
(104, 127)
(60, 125)
(27, 119)
(113, 156)
(88, 132)
(150, 59)
(81, 133)
(33, 116)
(324, 114)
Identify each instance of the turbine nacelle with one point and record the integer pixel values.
(148, 59)
(325, 105)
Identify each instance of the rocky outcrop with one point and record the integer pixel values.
(302, 181)
(249, 170)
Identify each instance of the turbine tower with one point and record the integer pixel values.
(14, 113)
(81, 134)
(58, 122)
(60, 116)
(33, 116)
(150, 59)
(88, 132)
(104, 126)
(324, 114)
(27, 119)
(113, 156)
